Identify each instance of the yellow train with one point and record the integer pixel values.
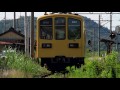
(60, 40)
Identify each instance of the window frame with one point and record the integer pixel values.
(50, 26)
(74, 25)
(56, 25)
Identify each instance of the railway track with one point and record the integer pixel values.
(50, 74)
(47, 75)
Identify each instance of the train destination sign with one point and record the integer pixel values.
(72, 21)
(60, 21)
(46, 21)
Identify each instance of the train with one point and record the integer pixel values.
(60, 40)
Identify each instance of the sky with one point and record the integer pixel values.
(92, 15)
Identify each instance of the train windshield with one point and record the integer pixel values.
(60, 28)
(46, 29)
(74, 29)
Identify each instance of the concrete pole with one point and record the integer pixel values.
(14, 21)
(26, 35)
(99, 37)
(32, 35)
(5, 22)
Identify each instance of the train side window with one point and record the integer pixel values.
(74, 29)
(60, 28)
(46, 29)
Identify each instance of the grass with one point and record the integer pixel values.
(22, 64)
(14, 74)
(105, 68)
(17, 65)
(96, 67)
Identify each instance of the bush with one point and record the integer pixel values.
(107, 67)
(18, 61)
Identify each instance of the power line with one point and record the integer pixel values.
(98, 13)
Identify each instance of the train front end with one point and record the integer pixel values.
(60, 39)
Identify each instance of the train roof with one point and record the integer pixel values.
(61, 14)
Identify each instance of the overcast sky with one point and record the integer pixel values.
(115, 22)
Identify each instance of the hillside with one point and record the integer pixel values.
(90, 25)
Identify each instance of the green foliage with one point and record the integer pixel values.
(95, 67)
(107, 67)
(18, 61)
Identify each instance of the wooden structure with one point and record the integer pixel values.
(13, 38)
(3, 44)
(109, 44)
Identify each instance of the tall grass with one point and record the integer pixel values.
(14, 74)
(18, 61)
(18, 65)
(95, 67)
(108, 67)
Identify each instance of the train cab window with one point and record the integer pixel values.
(60, 28)
(46, 29)
(74, 29)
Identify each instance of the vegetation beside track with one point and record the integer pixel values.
(17, 65)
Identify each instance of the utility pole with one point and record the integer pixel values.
(110, 21)
(117, 30)
(5, 22)
(117, 42)
(91, 42)
(32, 35)
(99, 37)
(26, 35)
(17, 25)
(94, 42)
(20, 23)
(25, 28)
(14, 21)
(111, 29)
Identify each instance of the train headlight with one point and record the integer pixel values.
(46, 45)
(73, 45)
